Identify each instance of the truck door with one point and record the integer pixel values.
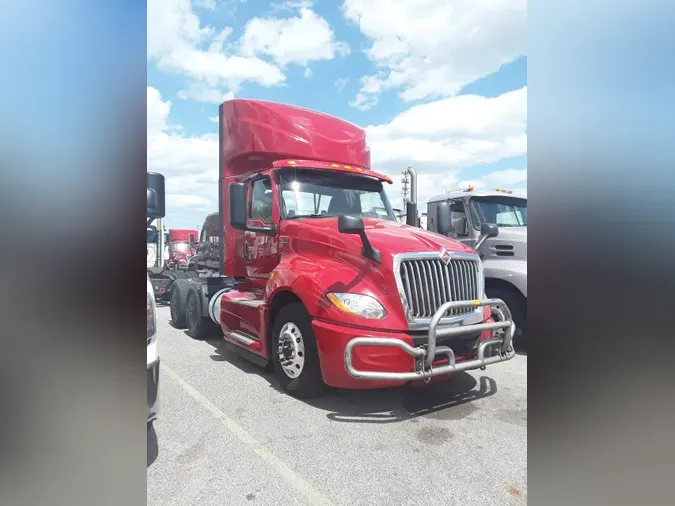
(261, 251)
(460, 222)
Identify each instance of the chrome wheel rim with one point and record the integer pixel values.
(291, 350)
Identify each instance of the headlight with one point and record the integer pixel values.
(358, 304)
(151, 315)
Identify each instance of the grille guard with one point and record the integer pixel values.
(425, 355)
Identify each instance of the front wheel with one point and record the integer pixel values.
(294, 351)
(517, 304)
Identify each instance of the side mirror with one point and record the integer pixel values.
(443, 221)
(192, 238)
(151, 236)
(237, 194)
(354, 225)
(238, 206)
(155, 195)
(350, 225)
(487, 230)
(411, 214)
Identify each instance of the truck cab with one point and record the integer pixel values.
(180, 248)
(319, 279)
(504, 256)
(206, 259)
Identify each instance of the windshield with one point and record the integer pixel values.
(181, 246)
(322, 194)
(502, 211)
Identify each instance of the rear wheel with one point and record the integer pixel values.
(517, 304)
(178, 303)
(198, 326)
(294, 352)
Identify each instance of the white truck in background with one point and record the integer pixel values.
(155, 210)
(461, 213)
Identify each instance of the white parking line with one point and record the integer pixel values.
(297, 482)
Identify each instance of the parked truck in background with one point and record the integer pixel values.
(504, 256)
(317, 277)
(168, 256)
(205, 262)
(155, 210)
(180, 248)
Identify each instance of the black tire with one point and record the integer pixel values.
(178, 303)
(309, 383)
(517, 304)
(198, 326)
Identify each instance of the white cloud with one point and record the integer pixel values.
(190, 164)
(178, 43)
(299, 39)
(291, 5)
(201, 92)
(308, 73)
(442, 137)
(209, 5)
(497, 179)
(433, 48)
(215, 65)
(158, 113)
(214, 119)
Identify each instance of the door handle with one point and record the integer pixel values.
(246, 250)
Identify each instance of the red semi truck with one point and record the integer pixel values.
(181, 247)
(319, 279)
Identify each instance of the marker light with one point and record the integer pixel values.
(358, 305)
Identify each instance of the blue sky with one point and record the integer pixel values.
(440, 85)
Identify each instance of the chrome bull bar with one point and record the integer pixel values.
(427, 354)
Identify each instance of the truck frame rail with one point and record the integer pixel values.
(427, 354)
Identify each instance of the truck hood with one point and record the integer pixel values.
(390, 237)
(311, 245)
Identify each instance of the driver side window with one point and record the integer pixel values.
(261, 200)
(458, 218)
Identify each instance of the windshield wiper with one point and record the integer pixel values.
(308, 216)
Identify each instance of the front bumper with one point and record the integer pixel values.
(153, 390)
(426, 357)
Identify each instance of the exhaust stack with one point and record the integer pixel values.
(411, 205)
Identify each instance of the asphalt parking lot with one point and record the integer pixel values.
(227, 435)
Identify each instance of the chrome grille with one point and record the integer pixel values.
(429, 283)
